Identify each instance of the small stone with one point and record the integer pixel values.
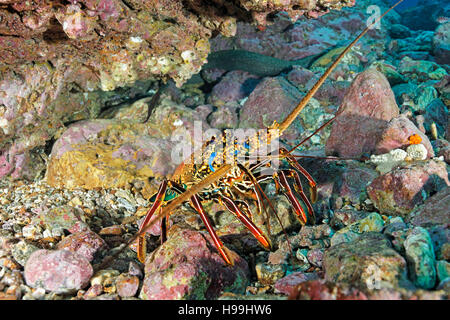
(443, 270)
(421, 259)
(135, 270)
(368, 262)
(85, 243)
(288, 284)
(417, 152)
(315, 257)
(101, 276)
(32, 231)
(59, 271)
(268, 274)
(115, 230)
(22, 250)
(127, 285)
(373, 222)
(93, 291)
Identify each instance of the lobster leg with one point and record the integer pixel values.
(281, 180)
(294, 163)
(298, 187)
(141, 242)
(234, 209)
(219, 245)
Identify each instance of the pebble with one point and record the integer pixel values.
(268, 274)
(421, 259)
(127, 285)
(59, 271)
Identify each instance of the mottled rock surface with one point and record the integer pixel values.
(60, 271)
(188, 266)
(367, 108)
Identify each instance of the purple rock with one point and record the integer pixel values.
(224, 117)
(367, 107)
(59, 271)
(272, 100)
(127, 285)
(187, 266)
(396, 133)
(231, 88)
(400, 190)
(288, 284)
(85, 243)
(434, 211)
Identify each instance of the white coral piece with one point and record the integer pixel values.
(417, 152)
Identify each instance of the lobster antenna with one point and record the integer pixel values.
(291, 117)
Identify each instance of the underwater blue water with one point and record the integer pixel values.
(405, 4)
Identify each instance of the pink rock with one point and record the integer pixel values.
(288, 284)
(434, 211)
(367, 107)
(127, 285)
(353, 182)
(94, 291)
(204, 111)
(272, 99)
(315, 257)
(85, 243)
(224, 117)
(59, 271)
(187, 266)
(400, 190)
(231, 88)
(396, 133)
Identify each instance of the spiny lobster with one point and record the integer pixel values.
(214, 180)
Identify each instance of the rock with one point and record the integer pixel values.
(93, 161)
(85, 243)
(442, 270)
(396, 135)
(272, 99)
(433, 211)
(421, 259)
(399, 191)
(352, 184)
(268, 274)
(127, 285)
(405, 93)
(287, 285)
(372, 223)
(428, 10)
(187, 266)
(234, 86)
(325, 290)
(59, 271)
(22, 250)
(441, 43)
(315, 257)
(399, 31)
(225, 117)
(93, 291)
(367, 262)
(346, 217)
(367, 107)
(421, 70)
(64, 217)
(436, 112)
(390, 72)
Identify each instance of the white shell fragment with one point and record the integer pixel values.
(417, 152)
(385, 162)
